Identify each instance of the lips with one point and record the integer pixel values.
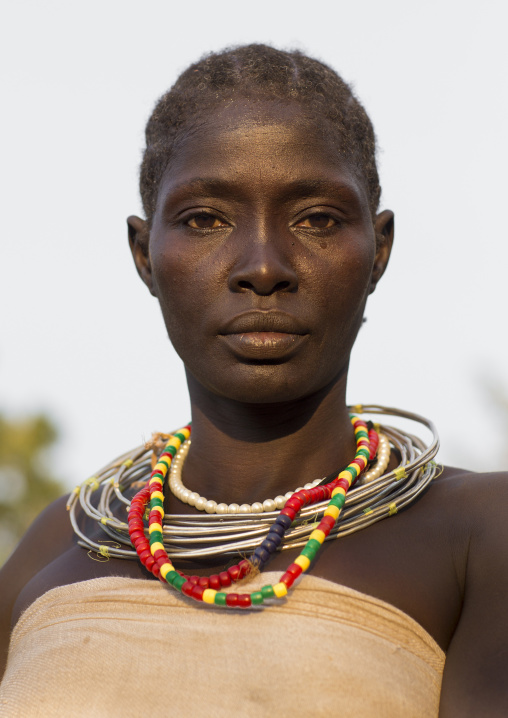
(268, 321)
(264, 336)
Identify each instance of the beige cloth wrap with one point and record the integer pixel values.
(125, 647)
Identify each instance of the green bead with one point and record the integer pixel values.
(338, 500)
(309, 552)
(256, 598)
(220, 598)
(267, 592)
(155, 501)
(314, 544)
(180, 436)
(171, 450)
(171, 577)
(363, 452)
(178, 582)
(164, 461)
(155, 537)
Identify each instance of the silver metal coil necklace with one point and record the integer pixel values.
(226, 530)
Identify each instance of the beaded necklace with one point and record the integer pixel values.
(153, 556)
(104, 497)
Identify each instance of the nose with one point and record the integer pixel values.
(263, 267)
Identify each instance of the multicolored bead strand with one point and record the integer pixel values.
(201, 588)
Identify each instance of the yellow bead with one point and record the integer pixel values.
(318, 535)
(339, 490)
(332, 511)
(165, 569)
(209, 595)
(280, 590)
(155, 480)
(156, 547)
(161, 468)
(303, 562)
(185, 432)
(157, 495)
(159, 509)
(155, 527)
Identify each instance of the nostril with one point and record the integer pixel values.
(244, 284)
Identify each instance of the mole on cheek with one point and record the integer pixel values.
(323, 244)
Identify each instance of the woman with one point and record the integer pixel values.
(262, 241)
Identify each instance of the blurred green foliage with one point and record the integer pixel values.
(26, 483)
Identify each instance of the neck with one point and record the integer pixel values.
(243, 453)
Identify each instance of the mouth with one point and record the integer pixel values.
(264, 336)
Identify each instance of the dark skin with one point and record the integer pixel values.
(262, 269)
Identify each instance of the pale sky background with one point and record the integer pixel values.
(81, 338)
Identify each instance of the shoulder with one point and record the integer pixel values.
(474, 507)
(49, 537)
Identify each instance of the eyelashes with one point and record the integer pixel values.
(206, 221)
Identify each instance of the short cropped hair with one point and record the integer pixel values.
(259, 72)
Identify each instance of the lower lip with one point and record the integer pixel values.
(264, 345)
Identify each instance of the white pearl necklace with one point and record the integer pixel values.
(383, 459)
(212, 507)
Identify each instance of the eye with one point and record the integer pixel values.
(204, 220)
(319, 220)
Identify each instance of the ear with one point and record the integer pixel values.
(384, 229)
(139, 235)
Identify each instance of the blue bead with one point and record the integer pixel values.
(274, 539)
(283, 520)
(260, 555)
(278, 529)
(269, 546)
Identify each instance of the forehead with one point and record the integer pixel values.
(262, 143)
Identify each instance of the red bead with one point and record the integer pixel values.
(327, 521)
(232, 599)
(244, 567)
(143, 556)
(234, 572)
(154, 568)
(204, 581)
(288, 579)
(215, 582)
(343, 483)
(294, 503)
(197, 592)
(160, 554)
(243, 600)
(161, 561)
(324, 528)
(141, 544)
(194, 579)
(289, 512)
(225, 578)
(136, 534)
(187, 588)
(154, 519)
(136, 524)
(294, 569)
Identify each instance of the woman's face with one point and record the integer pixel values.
(262, 253)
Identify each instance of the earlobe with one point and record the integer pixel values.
(384, 226)
(138, 241)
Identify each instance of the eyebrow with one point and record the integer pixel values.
(295, 189)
